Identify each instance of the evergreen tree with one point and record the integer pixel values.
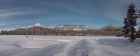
(130, 22)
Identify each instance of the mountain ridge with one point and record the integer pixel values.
(65, 30)
(72, 27)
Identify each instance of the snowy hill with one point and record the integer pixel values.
(111, 27)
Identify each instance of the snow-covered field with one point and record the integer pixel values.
(19, 45)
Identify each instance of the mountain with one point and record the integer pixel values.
(38, 25)
(35, 25)
(73, 27)
(111, 27)
(62, 27)
(65, 30)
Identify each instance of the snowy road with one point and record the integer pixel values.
(67, 46)
(79, 49)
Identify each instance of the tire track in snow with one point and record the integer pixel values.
(79, 49)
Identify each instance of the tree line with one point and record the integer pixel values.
(60, 32)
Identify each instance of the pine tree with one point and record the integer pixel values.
(130, 22)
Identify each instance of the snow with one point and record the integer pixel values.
(50, 27)
(20, 45)
(73, 27)
(37, 24)
(77, 29)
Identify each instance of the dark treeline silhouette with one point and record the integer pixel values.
(60, 32)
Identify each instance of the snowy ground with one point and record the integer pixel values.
(19, 45)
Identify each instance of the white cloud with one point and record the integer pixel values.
(2, 24)
(9, 14)
(6, 13)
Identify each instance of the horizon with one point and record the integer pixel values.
(94, 13)
(39, 24)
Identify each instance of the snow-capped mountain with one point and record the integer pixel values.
(73, 27)
(76, 27)
(38, 25)
(66, 30)
(62, 26)
(50, 27)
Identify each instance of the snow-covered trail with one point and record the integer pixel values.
(79, 49)
(67, 46)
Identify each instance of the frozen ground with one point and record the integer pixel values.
(67, 46)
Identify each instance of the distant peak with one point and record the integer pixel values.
(112, 26)
(37, 24)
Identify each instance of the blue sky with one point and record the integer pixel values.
(95, 13)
